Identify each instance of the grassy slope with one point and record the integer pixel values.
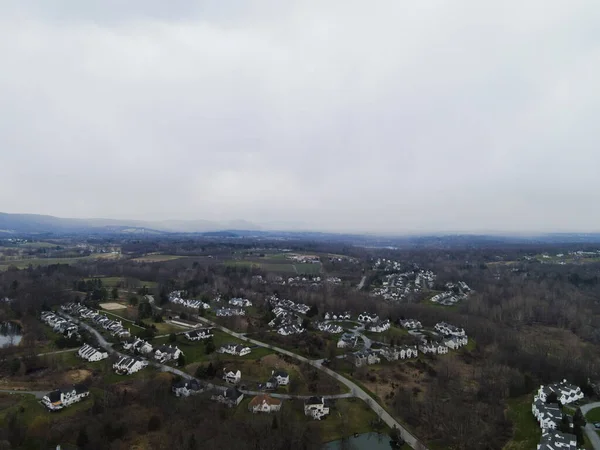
(526, 433)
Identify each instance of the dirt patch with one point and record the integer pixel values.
(77, 376)
(112, 306)
(277, 362)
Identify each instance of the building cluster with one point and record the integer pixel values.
(177, 298)
(454, 293)
(113, 326)
(342, 316)
(333, 280)
(329, 327)
(347, 340)
(127, 365)
(400, 283)
(91, 354)
(303, 281)
(305, 259)
(138, 346)
(63, 397)
(549, 414)
(379, 326)
(393, 353)
(166, 353)
(60, 324)
(232, 377)
(367, 318)
(289, 305)
(286, 320)
(230, 397)
(410, 324)
(230, 312)
(240, 302)
(364, 357)
(235, 349)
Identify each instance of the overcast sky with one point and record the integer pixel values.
(384, 116)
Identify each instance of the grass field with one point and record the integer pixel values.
(277, 265)
(24, 263)
(593, 415)
(157, 258)
(526, 431)
(348, 416)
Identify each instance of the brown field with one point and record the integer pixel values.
(110, 306)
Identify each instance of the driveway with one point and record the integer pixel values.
(589, 428)
(38, 394)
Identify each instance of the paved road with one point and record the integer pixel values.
(589, 428)
(354, 388)
(38, 394)
(362, 283)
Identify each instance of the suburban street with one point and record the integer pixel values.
(589, 427)
(355, 390)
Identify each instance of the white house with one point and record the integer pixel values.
(555, 440)
(61, 398)
(185, 388)
(127, 366)
(264, 403)
(367, 318)
(138, 345)
(428, 348)
(379, 326)
(241, 302)
(315, 407)
(282, 377)
(411, 324)
(447, 329)
(230, 397)
(364, 357)
(228, 312)
(91, 354)
(167, 353)
(548, 415)
(565, 392)
(329, 328)
(235, 349)
(290, 329)
(347, 341)
(456, 342)
(199, 334)
(232, 377)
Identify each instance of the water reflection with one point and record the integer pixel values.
(366, 441)
(10, 334)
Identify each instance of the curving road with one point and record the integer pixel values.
(589, 427)
(355, 390)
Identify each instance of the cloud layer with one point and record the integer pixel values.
(340, 115)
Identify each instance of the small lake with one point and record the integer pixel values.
(366, 441)
(10, 334)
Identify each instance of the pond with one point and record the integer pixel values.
(10, 334)
(366, 441)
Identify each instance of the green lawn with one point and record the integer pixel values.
(195, 351)
(526, 431)
(348, 416)
(593, 415)
(386, 336)
(24, 263)
(308, 268)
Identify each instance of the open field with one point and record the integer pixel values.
(24, 263)
(593, 415)
(348, 416)
(277, 264)
(157, 258)
(526, 432)
(112, 306)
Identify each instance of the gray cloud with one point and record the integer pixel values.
(338, 115)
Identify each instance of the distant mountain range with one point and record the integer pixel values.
(35, 223)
